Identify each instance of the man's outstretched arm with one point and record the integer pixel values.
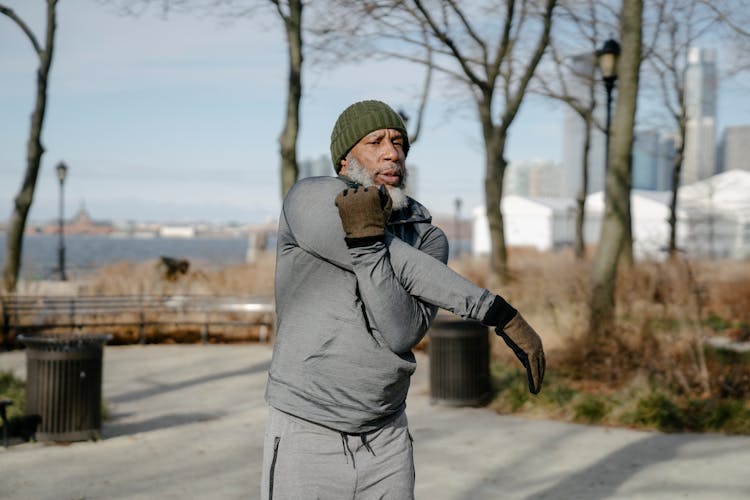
(363, 216)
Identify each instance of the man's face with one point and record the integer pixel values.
(381, 153)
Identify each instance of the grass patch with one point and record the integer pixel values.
(14, 389)
(590, 409)
(635, 405)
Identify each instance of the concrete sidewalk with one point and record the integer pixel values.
(187, 421)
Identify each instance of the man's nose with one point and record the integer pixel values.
(390, 150)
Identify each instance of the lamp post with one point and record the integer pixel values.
(607, 58)
(62, 170)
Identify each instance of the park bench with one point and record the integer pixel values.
(139, 318)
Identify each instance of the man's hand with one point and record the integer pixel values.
(527, 346)
(364, 213)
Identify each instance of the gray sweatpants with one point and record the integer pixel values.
(302, 460)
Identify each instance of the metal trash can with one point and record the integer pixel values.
(64, 384)
(459, 363)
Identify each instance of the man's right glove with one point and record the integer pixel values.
(527, 346)
(364, 213)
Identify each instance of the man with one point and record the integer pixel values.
(360, 274)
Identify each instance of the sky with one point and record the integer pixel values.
(177, 119)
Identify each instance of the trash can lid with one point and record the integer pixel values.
(64, 341)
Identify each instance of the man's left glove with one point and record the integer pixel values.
(364, 213)
(527, 346)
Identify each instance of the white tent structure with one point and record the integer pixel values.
(717, 215)
(650, 218)
(713, 218)
(542, 223)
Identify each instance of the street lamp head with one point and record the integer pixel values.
(62, 169)
(607, 57)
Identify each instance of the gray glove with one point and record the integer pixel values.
(527, 346)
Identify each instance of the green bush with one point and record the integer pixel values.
(589, 409)
(657, 410)
(725, 415)
(14, 389)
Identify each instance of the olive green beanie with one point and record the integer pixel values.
(357, 121)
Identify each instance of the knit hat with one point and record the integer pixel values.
(357, 121)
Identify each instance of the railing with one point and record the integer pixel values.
(139, 318)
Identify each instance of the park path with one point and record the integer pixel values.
(186, 421)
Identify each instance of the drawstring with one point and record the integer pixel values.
(367, 446)
(348, 451)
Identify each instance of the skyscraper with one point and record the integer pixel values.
(538, 178)
(583, 71)
(645, 159)
(665, 161)
(653, 160)
(700, 96)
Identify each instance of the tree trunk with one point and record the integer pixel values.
(617, 205)
(676, 172)
(494, 143)
(580, 248)
(288, 138)
(34, 151)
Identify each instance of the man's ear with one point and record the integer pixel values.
(343, 164)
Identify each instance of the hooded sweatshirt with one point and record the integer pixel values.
(347, 319)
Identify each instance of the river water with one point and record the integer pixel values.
(85, 253)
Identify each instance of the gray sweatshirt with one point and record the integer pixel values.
(347, 319)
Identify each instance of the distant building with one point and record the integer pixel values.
(177, 232)
(735, 148)
(584, 69)
(541, 223)
(665, 161)
(700, 134)
(540, 178)
(653, 160)
(81, 223)
(645, 159)
(319, 167)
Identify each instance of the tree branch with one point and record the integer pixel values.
(443, 37)
(12, 15)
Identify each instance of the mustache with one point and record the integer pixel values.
(392, 169)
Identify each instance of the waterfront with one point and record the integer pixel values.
(86, 253)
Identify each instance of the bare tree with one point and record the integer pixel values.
(290, 12)
(615, 224)
(571, 78)
(493, 50)
(34, 146)
(679, 26)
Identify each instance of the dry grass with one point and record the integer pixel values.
(127, 278)
(664, 310)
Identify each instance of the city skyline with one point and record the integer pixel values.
(156, 123)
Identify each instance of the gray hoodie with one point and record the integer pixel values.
(347, 319)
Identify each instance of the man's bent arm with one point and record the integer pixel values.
(313, 219)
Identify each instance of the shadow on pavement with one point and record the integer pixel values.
(603, 478)
(163, 388)
(111, 430)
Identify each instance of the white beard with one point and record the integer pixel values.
(358, 173)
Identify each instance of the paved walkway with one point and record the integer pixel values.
(187, 422)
